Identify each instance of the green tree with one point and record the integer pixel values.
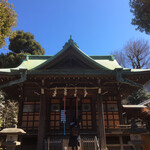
(11, 60)
(24, 42)
(8, 18)
(21, 44)
(141, 12)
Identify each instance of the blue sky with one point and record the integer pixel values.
(97, 26)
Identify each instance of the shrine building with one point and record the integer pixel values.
(54, 91)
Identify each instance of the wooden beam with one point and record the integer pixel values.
(101, 126)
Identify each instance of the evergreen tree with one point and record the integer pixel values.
(24, 42)
(21, 44)
(11, 60)
(141, 12)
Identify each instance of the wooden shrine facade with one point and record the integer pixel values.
(54, 91)
(87, 104)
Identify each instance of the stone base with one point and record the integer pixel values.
(11, 145)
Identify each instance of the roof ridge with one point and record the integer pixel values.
(39, 55)
(29, 57)
(109, 57)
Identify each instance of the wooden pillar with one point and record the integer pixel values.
(119, 98)
(121, 120)
(121, 142)
(94, 124)
(42, 121)
(101, 127)
(21, 100)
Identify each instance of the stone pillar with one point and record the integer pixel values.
(101, 127)
(42, 122)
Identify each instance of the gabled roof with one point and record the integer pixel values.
(107, 63)
(35, 62)
(84, 65)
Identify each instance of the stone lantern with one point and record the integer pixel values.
(135, 135)
(11, 137)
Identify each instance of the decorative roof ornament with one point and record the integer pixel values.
(70, 42)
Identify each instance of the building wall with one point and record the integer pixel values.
(87, 113)
(146, 140)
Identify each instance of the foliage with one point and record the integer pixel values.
(11, 60)
(9, 111)
(135, 54)
(1, 107)
(138, 97)
(21, 42)
(8, 19)
(141, 12)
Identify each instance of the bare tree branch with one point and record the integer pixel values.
(135, 54)
(138, 53)
(119, 56)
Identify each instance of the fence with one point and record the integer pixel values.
(86, 143)
(89, 143)
(53, 144)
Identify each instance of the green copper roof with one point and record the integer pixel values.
(33, 62)
(105, 62)
(29, 63)
(111, 64)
